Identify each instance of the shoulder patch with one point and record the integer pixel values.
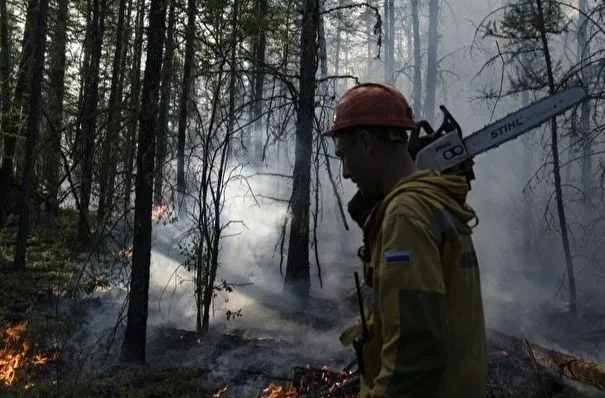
(398, 256)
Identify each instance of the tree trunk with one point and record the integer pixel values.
(33, 126)
(389, 11)
(133, 346)
(528, 153)
(108, 165)
(5, 106)
(260, 44)
(162, 135)
(5, 67)
(417, 89)
(52, 158)
(585, 130)
(88, 132)
(217, 199)
(184, 102)
(135, 103)
(556, 165)
(431, 66)
(297, 279)
(338, 44)
(322, 52)
(578, 369)
(13, 125)
(369, 42)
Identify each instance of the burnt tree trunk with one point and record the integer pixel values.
(184, 102)
(164, 111)
(417, 88)
(96, 27)
(5, 67)
(259, 49)
(52, 158)
(297, 279)
(389, 62)
(133, 346)
(431, 65)
(108, 161)
(556, 165)
(5, 105)
(135, 103)
(16, 109)
(585, 130)
(33, 126)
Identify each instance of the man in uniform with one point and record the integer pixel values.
(421, 289)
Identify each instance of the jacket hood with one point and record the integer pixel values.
(449, 190)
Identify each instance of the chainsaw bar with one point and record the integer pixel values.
(514, 124)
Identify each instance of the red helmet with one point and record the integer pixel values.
(371, 104)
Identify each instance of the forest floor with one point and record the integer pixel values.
(39, 339)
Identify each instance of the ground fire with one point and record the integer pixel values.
(308, 381)
(16, 353)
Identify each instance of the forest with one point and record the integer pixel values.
(174, 223)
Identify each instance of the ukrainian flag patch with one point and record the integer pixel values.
(398, 256)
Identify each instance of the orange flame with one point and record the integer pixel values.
(126, 253)
(158, 212)
(274, 391)
(13, 354)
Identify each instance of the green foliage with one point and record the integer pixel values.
(52, 259)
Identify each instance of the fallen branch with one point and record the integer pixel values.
(577, 369)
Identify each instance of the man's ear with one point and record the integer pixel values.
(367, 142)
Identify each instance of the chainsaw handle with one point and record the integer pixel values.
(449, 124)
(416, 142)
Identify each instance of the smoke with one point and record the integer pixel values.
(523, 294)
(279, 330)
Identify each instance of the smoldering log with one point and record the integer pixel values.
(571, 367)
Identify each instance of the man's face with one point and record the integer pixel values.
(355, 151)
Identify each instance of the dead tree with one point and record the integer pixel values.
(51, 155)
(297, 279)
(184, 100)
(164, 110)
(556, 164)
(417, 85)
(431, 63)
(258, 81)
(135, 103)
(86, 138)
(33, 125)
(133, 346)
(108, 165)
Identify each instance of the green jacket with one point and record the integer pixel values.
(422, 294)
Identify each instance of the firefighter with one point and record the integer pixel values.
(421, 290)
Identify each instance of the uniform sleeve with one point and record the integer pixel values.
(412, 304)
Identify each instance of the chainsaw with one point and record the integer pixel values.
(447, 151)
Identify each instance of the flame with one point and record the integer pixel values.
(219, 393)
(158, 212)
(505, 354)
(274, 391)
(126, 253)
(14, 353)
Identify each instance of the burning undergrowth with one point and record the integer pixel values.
(19, 355)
